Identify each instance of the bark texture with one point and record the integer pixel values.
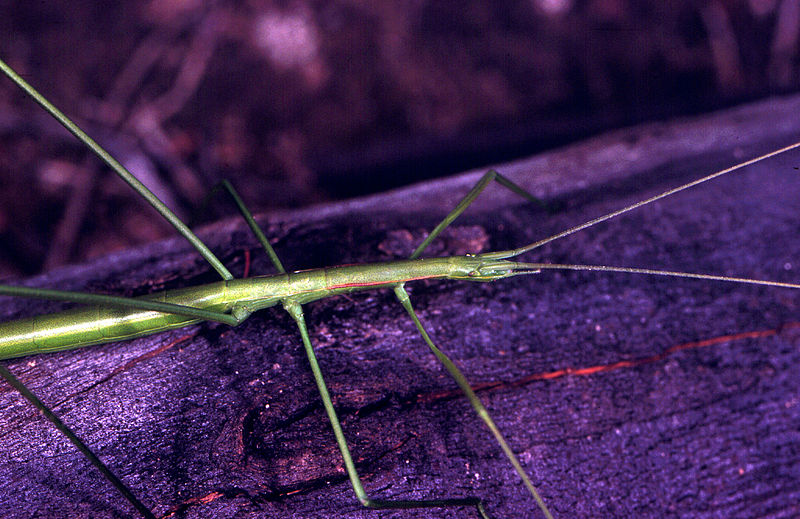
(625, 396)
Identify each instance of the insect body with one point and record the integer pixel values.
(356, 279)
(237, 297)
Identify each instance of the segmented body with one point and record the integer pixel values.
(98, 325)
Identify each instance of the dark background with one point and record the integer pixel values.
(303, 102)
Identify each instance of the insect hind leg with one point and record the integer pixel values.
(31, 397)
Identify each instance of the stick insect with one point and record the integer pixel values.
(497, 261)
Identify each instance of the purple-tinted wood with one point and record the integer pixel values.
(217, 422)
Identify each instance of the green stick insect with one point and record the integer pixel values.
(231, 301)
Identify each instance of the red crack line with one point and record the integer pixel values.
(196, 500)
(129, 364)
(603, 368)
(246, 263)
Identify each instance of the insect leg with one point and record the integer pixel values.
(296, 311)
(251, 222)
(120, 170)
(468, 199)
(126, 303)
(119, 302)
(76, 441)
(482, 412)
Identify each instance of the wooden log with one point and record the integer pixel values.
(624, 395)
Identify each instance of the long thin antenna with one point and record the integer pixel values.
(522, 250)
(652, 272)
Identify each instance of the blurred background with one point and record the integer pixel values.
(301, 102)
